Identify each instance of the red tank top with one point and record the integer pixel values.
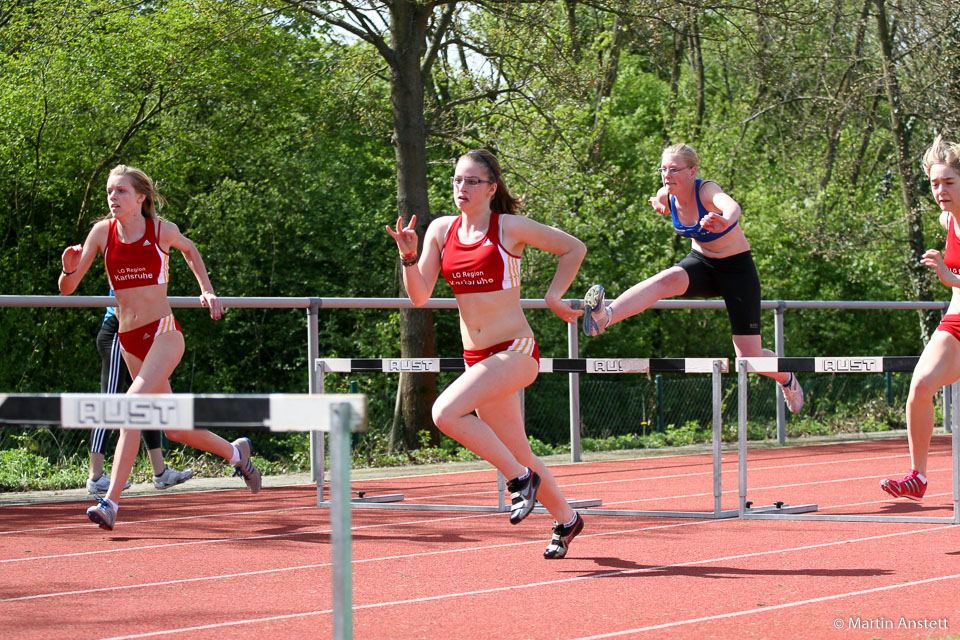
(138, 263)
(482, 266)
(951, 254)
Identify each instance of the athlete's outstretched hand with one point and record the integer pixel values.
(563, 310)
(934, 259)
(209, 299)
(406, 237)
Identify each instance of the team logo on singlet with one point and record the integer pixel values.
(469, 278)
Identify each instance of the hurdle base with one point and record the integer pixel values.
(823, 517)
(774, 511)
(387, 497)
(574, 504)
(703, 515)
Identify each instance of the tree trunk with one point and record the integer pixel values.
(911, 205)
(407, 26)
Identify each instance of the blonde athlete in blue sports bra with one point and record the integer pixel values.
(719, 264)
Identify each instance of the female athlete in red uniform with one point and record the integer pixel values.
(135, 245)
(939, 363)
(479, 254)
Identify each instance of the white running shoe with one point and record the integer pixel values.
(596, 315)
(793, 394)
(101, 484)
(171, 477)
(245, 468)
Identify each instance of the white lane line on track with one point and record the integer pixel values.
(355, 561)
(773, 607)
(770, 488)
(86, 525)
(307, 532)
(659, 478)
(547, 583)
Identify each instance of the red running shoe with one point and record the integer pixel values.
(910, 486)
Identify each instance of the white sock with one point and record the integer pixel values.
(922, 478)
(567, 525)
(235, 458)
(113, 505)
(526, 475)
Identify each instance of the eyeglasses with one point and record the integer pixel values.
(671, 170)
(457, 181)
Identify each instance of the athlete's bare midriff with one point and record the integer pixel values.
(491, 317)
(138, 306)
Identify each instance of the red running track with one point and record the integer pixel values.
(231, 565)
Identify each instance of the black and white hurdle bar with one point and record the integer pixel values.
(714, 366)
(338, 414)
(869, 364)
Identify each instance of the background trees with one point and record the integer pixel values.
(285, 134)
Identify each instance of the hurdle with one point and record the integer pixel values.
(713, 366)
(868, 364)
(338, 414)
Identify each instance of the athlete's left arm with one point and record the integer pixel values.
(724, 210)
(518, 231)
(171, 237)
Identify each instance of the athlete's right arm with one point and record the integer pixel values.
(77, 259)
(419, 279)
(661, 201)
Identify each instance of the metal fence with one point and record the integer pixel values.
(558, 410)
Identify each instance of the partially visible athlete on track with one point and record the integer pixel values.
(939, 363)
(115, 378)
(719, 264)
(135, 244)
(479, 253)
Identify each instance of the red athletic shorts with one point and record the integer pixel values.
(138, 341)
(951, 324)
(523, 345)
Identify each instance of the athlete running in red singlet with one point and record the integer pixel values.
(479, 254)
(939, 364)
(136, 248)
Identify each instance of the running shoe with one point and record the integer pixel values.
(910, 486)
(523, 496)
(101, 484)
(596, 315)
(561, 538)
(793, 394)
(245, 468)
(171, 477)
(102, 514)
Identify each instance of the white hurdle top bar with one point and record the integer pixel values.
(547, 365)
(847, 364)
(278, 412)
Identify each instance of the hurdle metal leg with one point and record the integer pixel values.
(717, 367)
(800, 512)
(340, 522)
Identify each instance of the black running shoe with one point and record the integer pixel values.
(561, 538)
(523, 496)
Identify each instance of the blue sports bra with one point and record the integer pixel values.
(695, 231)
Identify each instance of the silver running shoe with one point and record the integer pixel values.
(596, 315)
(523, 496)
(793, 394)
(101, 484)
(102, 514)
(171, 477)
(562, 536)
(245, 468)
